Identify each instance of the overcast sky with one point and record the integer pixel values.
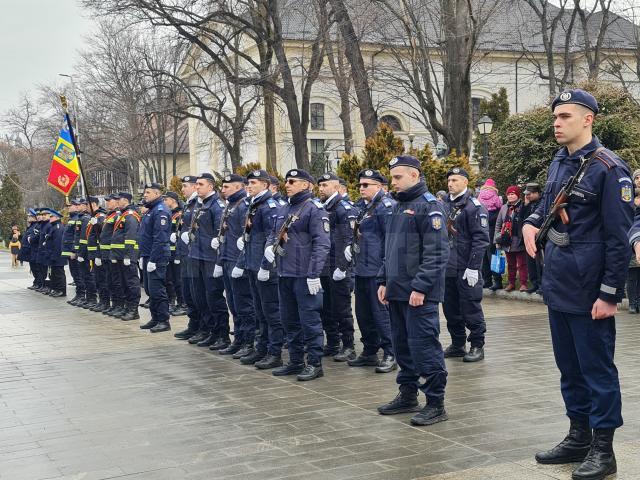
(39, 39)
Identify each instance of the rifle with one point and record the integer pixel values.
(277, 246)
(223, 221)
(559, 206)
(355, 247)
(248, 223)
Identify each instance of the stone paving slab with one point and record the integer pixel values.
(84, 396)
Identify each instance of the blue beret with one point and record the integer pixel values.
(75, 201)
(274, 180)
(233, 177)
(55, 212)
(458, 171)
(372, 175)
(405, 161)
(576, 96)
(189, 179)
(300, 175)
(206, 176)
(82, 201)
(32, 212)
(173, 195)
(327, 177)
(93, 199)
(126, 195)
(259, 175)
(154, 185)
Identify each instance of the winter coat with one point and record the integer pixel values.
(514, 212)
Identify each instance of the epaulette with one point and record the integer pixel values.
(317, 203)
(476, 202)
(247, 201)
(345, 204)
(221, 203)
(608, 159)
(282, 202)
(387, 202)
(272, 203)
(429, 197)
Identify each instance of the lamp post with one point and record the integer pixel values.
(441, 149)
(485, 125)
(412, 137)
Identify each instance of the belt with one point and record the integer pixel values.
(557, 238)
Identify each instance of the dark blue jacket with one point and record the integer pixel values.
(373, 219)
(594, 264)
(154, 232)
(124, 240)
(182, 249)
(106, 234)
(42, 256)
(416, 247)
(34, 239)
(82, 235)
(469, 244)
(237, 206)
(308, 238)
(176, 221)
(25, 246)
(261, 216)
(69, 232)
(55, 234)
(205, 224)
(93, 234)
(342, 218)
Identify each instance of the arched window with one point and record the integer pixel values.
(392, 121)
(317, 116)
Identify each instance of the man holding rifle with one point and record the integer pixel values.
(584, 236)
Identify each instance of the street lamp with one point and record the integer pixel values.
(485, 125)
(441, 149)
(412, 137)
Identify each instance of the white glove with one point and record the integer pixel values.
(471, 276)
(177, 261)
(126, 262)
(73, 256)
(217, 272)
(263, 275)
(339, 275)
(151, 267)
(269, 254)
(314, 285)
(80, 259)
(113, 260)
(237, 272)
(347, 253)
(215, 243)
(98, 262)
(140, 263)
(240, 244)
(185, 237)
(173, 238)
(93, 221)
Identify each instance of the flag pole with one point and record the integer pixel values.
(74, 140)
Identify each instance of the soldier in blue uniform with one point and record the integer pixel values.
(366, 253)
(274, 188)
(207, 290)
(174, 277)
(412, 284)
(103, 259)
(236, 281)
(585, 266)
(25, 246)
(79, 280)
(67, 241)
(259, 221)
(86, 269)
(337, 318)
(301, 243)
(56, 261)
(124, 259)
(94, 257)
(42, 255)
(154, 252)
(34, 242)
(468, 228)
(182, 255)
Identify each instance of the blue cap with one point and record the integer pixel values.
(327, 177)
(273, 180)
(299, 175)
(154, 185)
(207, 176)
(576, 96)
(259, 175)
(457, 171)
(93, 199)
(32, 212)
(173, 195)
(189, 179)
(405, 161)
(82, 201)
(372, 175)
(54, 212)
(126, 195)
(233, 177)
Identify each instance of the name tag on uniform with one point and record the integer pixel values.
(408, 211)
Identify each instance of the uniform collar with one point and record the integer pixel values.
(240, 194)
(153, 203)
(299, 197)
(330, 201)
(461, 194)
(262, 196)
(193, 195)
(412, 193)
(585, 151)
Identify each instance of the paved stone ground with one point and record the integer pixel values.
(83, 396)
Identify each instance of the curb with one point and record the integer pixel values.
(529, 297)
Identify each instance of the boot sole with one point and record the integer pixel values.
(386, 369)
(562, 461)
(611, 471)
(431, 421)
(306, 379)
(417, 408)
(267, 367)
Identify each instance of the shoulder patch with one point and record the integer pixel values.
(221, 204)
(345, 204)
(387, 202)
(626, 192)
(484, 220)
(282, 202)
(317, 203)
(271, 202)
(609, 159)
(429, 197)
(476, 202)
(436, 221)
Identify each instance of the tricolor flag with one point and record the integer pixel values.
(65, 169)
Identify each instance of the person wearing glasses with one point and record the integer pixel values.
(299, 245)
(365, 254)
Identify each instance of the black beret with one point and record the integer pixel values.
(259, 175)
(233, 177)
(405, 161)
(154, 185)
(328, 176)
(532, 188)
(371, 175)
(189, 179)
(82, 201)
(173, 195)
(458, 171)
(342, 182)
(93, 199)
(207, 176)
(125, 195)
(300, 175)
(576, 96)
(75, 201)
(274, 180)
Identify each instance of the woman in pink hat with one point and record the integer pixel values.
(489, 198)
(508, 236)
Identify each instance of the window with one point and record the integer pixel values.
(318, 157)
(317, 116)
(392, 121)
(475, 111)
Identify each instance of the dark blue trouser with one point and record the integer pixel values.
(300, 314)
(88, 278)
(126, 283)
(174, 282)
(373, 317)
(58, 279)
(102, 282)
(415, 332)
(75, 275)
(241, 304)
(462, 308)
(208, 293)
(39, 273)
(155, 285)
(584, 351)
(33, 267)
(265, 299)
(186, 273)
(337, 318)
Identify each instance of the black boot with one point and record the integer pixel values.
(90, 303)
(346, 354)
(161, 327)
(330, 350)
(387, 364)
(454, 351)
(132, 314)
(288, 369)
(430, 414)
(231, 349)
(185, 334)
(74, 300)
(406, 401)
(600, 461)
(310, 372)
(118, 311)
(574, 447)
(247, 349)
(199, 336)
(150, 324)
(208, 340)
(268, 362)
(252, 358)
(364, 361)
(221, 343)
(475, 355)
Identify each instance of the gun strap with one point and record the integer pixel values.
(363, 214)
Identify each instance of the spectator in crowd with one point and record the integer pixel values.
(440, 195)
(489, 198)
(633, 274)
(534, 265)
(14, 247)
(508, 236)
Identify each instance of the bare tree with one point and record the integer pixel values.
(595, 23)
